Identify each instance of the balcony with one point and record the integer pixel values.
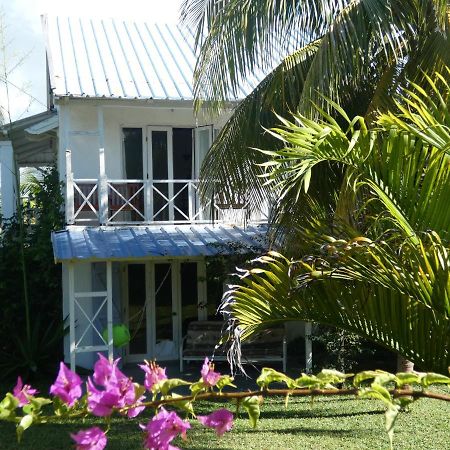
(105, 201)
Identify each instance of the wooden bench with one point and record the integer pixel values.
(203, 336)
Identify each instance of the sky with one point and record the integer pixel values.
(22, 32)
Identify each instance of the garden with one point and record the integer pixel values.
(351, 142)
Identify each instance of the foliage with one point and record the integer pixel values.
(42, 348)
(381, 268)
(341, 350)
(116, 393)
(357, 53)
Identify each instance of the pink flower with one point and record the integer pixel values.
(101, 403)
(163, 429)
(210, 378)
(153, 374)
(119, 390)
(104, 370)
(91, 439)
(67, 385)
(221, 420)
(21, 391)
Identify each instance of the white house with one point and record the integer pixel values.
(129, 152)
(129, 148)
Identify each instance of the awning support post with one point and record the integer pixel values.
(8, 180)
(308, 347)
(72, 315)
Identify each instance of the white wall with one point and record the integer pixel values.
(79, 131)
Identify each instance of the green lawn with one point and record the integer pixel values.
(343, 423)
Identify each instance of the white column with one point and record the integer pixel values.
(7, 180)
(308, 347)
(102, 181)
(70, 211)
(72, 315)
(109, 309)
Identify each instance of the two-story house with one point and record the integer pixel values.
(129, 151)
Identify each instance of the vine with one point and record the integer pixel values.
(109, 392)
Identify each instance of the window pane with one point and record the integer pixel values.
(132, 146)
(137, 309)
(163, 302)
(189, 295)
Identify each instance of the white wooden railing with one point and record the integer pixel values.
(117, 202)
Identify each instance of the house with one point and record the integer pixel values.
(129, 148)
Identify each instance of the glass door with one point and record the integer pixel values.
(160, 172)
(137, 311)
(165, 312)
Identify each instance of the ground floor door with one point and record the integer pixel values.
(161, 298)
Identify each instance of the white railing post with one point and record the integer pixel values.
(102, 189)
(149, 199)
(70, 208)
(191, 201)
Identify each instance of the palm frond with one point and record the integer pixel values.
(231, 163)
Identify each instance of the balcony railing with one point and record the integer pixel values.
(118, 202)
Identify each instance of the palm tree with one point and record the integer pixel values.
(384, 270)
(354, 52)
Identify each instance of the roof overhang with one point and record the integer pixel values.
(34, 139)
(90, 244)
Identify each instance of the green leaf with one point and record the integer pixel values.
(185, 405)
(308, 381)
(25, 423)
(198, 387)
(378, 392)
(251, 405)
(8, 406)
(333, 376)
(406, 378)
(364, 376)
(165, 386)
(434, 378)
(225, 380)
(269, 376)
(391, 415)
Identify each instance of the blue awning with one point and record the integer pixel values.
(130, 243)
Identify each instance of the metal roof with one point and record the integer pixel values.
(129, 243)
(34, 139)
(113, 58)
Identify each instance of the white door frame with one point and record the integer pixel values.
(148, 163)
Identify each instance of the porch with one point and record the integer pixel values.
(152, 279)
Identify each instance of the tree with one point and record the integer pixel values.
(382, 271)
(357, 53)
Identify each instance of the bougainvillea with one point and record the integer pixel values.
(109, 391)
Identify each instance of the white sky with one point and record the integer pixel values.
(24, 37)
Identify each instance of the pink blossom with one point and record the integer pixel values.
(67, 385)
(91, 439)
(153, 374)
(163, 429)
(101, 403)
(104, 370)
(119, 390)
(21, 391)
(221, 420)
(210, 378)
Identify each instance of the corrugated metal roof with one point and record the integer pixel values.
(34, 139)
(104, 243)
(115, 58)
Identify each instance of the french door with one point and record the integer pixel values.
(161, 299)
(170, 162)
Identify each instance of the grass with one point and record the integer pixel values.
(343, 423)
